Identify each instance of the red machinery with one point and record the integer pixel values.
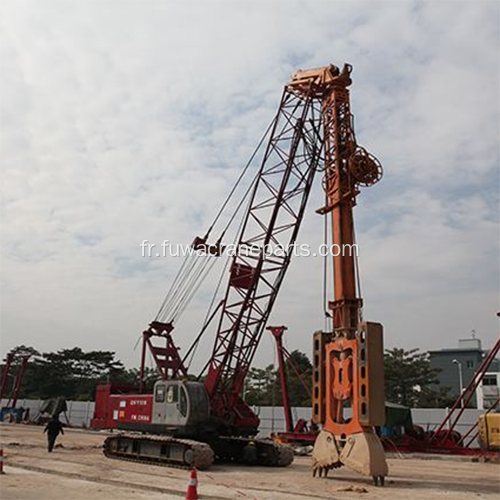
(5, 373)
(189, 421)
(18, 378)
(302, 432)
(10, 408)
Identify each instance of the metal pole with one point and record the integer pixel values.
(277, 332)
(460, 380)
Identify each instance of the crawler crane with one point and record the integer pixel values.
(192, 422)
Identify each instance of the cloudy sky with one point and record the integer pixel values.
(124, 121)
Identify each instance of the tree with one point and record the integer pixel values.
(263, 387)
(409, 379)
(131, 377)
(299, 374)
(23, 350)
(71, 373)
(436, 397)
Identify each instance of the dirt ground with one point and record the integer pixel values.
(78, 470)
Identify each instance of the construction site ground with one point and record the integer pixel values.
(77, 469)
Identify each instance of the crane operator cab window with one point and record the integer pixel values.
(172, 394)
(160, 393)
(183, 403)
(177, 395)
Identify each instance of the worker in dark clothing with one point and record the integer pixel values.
(53, 428)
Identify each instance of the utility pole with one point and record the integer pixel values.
(460, 379)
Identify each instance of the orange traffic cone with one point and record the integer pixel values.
(192, 491)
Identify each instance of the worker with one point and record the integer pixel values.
(53, 428)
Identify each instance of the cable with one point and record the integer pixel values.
(174, 288)
(182, 307)
(179, 294)
(356, 267)
(186, 286)
(240, 177)
(325, 269)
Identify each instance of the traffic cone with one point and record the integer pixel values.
(1, 461)
(192, 491)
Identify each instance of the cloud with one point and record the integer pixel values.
(124, 121)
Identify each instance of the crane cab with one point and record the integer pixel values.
(179, 405)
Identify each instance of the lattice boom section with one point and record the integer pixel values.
(277, 206)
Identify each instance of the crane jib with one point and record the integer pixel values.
(275, 211)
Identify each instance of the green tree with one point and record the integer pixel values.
(23, 350)
(261, 385)
(436, 397)
(131, 377)
(410, 380)
(71, 373)
(299, 376)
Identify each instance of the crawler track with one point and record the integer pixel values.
(253, 451)
(159, 450)
(186, 453)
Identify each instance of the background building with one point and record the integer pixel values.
(488, 391)
(458, 365)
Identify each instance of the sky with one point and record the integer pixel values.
(124, 121)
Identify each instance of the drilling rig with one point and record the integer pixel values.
(192, 422)
(348, 362)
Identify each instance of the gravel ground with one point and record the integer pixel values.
(78, 470)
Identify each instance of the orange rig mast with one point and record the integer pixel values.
(348, 381)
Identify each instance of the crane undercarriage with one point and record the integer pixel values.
(188, 453)
(176, 429)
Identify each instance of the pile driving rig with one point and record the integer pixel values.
(348, 374)
(190, 423)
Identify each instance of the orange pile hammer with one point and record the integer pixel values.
(192, 490)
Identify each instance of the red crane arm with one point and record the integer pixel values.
(276, 208)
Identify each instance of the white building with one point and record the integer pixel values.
(488, 391)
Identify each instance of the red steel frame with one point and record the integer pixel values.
(12, 402)
(276, 209)
(5, 373)
(298, 433)
(277, 332)
(166, 357)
